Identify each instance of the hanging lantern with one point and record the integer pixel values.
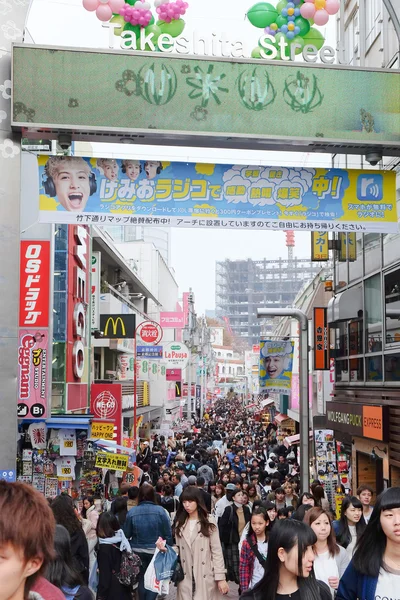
(158, 83)
(255, 89)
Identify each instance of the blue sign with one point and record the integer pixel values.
(8, 475)
(149, 351)
(370, 187)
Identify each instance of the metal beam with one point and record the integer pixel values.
(301, 317)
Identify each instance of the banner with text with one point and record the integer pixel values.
(33, 373)
(276, 362)
(150, 192)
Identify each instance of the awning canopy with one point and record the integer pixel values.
(266, 402)
(293, 440)
(346, 305)
(280, 418)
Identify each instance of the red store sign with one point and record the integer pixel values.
(34, 295)
(106, 403)
(77, 311)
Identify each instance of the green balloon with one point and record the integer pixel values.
(256, 53)
(121, 21)
(299, 41)
(281, 4)
(133, 28)
(281, 21)
(303, 24)
(262, 15)
(315, 38)
(174, 28)
(152, 21)
(131, 2)
(155, 30)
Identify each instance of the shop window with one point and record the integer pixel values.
(342, 371)
(356, 337)
(372, 252)
(392, 367)
(374, 368)
(356, 369)
(342, 339)
(392, 307)
(58, 398)
(373, 314)
(391, 243)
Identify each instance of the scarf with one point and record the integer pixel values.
(118, 538)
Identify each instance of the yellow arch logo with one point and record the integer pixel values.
(114, 324)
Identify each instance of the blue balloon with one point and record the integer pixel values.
(290, 5)
(291, 18)
(284, 29)
(290, 35)
(284, 12)
(296, 30)
(297, 12)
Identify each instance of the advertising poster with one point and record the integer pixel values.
(152, 192)
(106, 403)
(34, 284)
(276, 362)
(326, 463)
(33, 373)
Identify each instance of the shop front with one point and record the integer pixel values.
(368, 427)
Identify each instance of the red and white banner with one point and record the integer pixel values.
(34, 287)
(33, 373)
(172, 320)
(174, 374)
(106, 403)
(77, 371)
(150, 332)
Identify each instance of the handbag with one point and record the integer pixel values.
(178, 575)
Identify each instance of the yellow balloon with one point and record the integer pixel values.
(291, 26)
(319, 4)
(290, 11)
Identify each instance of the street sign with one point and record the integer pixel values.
(150, 332)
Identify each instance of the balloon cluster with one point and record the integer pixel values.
(137, 14)
(104, 8)
(291, 21)
(169, 11)
(319, 10)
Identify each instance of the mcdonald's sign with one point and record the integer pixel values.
(118, 327)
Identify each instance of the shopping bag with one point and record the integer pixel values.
(165, 563)
(94, 577)
(151, 582)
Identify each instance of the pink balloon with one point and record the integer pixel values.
(116, 5)
(104, 12)
(90, 4)
(321, 17)
(332, 7)
(307, 10)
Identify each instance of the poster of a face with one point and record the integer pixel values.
(276, 359)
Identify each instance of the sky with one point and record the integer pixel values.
(193, 252)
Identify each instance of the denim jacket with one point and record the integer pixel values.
(144, 524)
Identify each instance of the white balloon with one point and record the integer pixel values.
(146, 5)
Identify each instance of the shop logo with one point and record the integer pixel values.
(114, 324)
(118, 326)
(370, 187)
(105, 405)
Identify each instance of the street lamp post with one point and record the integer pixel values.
(301, 317)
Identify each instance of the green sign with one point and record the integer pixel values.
(98, 91)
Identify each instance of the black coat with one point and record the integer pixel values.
(206, 499)
(109, 563)
(80, 554)
(228, 524)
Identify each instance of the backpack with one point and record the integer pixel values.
(190, 468)
(129, 569)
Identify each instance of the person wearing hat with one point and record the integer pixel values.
(231, 525)
(224, 501)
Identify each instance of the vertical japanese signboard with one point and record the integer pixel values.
(106, 403)
(347, 247)
(95, 290)
(33, 335)
(319, 246)
(321, 340)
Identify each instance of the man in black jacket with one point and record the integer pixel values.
(206, 496)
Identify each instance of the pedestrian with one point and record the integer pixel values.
(27, 544)
(61, 570)
(374, 569)
(254, 549)
(90, 517)
(231, 525)
(306, 498)
(252, 493)
(225, 501)
(289, 566)
(351, 524)
(364, 494)
(133, 494)
(331, 560)
(199, 547)
(144, 524)
(290, 497)
(66, 515)
(119, 508)
(112, 542)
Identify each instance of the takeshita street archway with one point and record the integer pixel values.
(12, 31)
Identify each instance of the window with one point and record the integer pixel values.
(392, 367)
(342, 371)
(351, 39)
(374, 368)
(373, 314)
(392, 307)
(373, 11)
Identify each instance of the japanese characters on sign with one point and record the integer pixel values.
(321, 340)
(34, 284)
(149, 351)
(347, 247)
(176, 355)
(150, 192)
(172, 320)
(319, 246)
(106, 403)
(150, 332)
(115, 462)
(102, 430)
(276, 363)
(95, 290)
(33, 373)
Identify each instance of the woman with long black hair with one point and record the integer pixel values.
(351, 524)
(197, 540)
(254, 549)
(289, 567)
(374, 571)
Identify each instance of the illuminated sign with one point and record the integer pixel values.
(321, 340)
(118, 326)
(34, 284)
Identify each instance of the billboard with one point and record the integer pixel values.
(34, 296)
(106, 403)
(34, 373)
(276, 363)
(195, 195)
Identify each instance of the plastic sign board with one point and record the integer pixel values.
(151, 192)
(150, 332)
(118, 326)
(176, 355)
(106, 403)
(319, 246)
(102, 430)
(271, 104)
(34, 294)
(347, 247)
(321, 339)
(33, 373)
(114, 462)
(172, 320)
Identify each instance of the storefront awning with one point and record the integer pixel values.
(69, 422)
(265, 403)
(346, 305)
(150, 411)
(293, 440)
(280, 418)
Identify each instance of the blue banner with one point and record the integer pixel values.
(149, 351)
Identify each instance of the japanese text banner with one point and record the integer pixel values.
(276, 363)
(129, 192)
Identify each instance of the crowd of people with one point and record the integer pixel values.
(227, 497)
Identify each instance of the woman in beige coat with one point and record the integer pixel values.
(199, 548)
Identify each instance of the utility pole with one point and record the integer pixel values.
(301, 317)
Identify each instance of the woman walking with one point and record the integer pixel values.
(90, 516)
(112, 542)
(351, 524)
(331, 560)
(231, 525)
(197, 540)
(289, 566)
(253, 553)
(374, 571)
